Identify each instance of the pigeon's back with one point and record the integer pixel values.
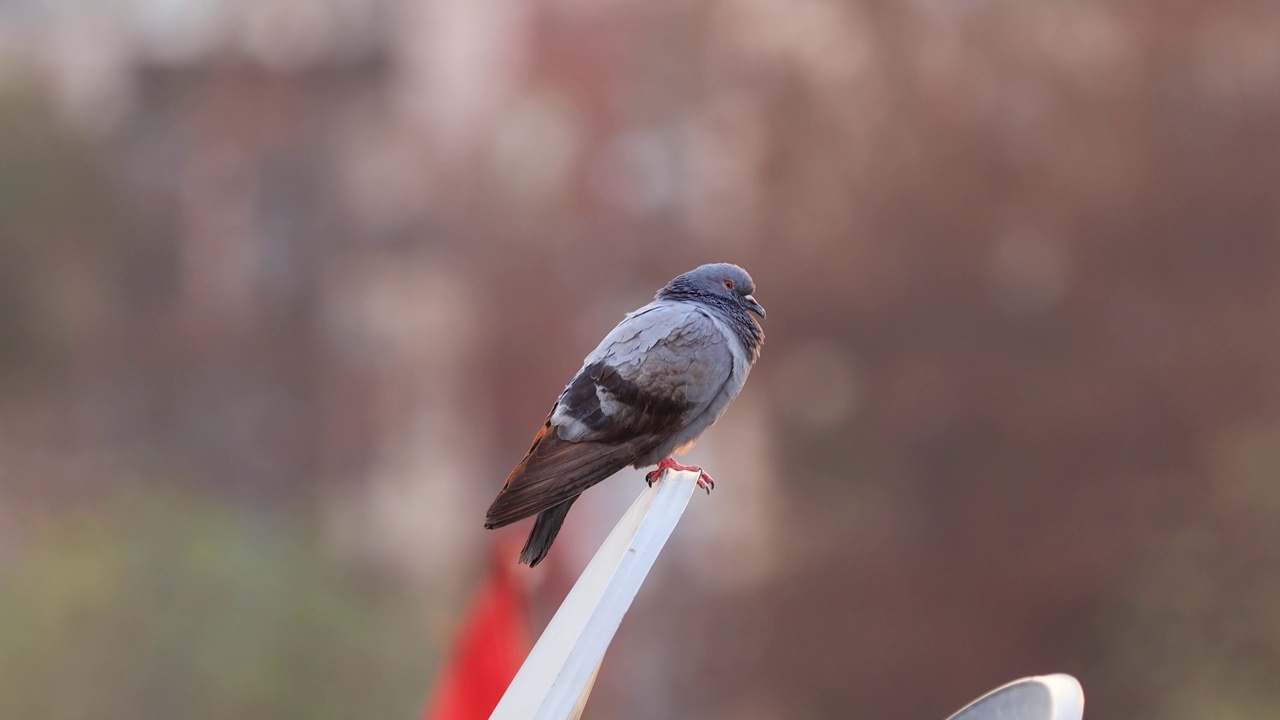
(662, 368)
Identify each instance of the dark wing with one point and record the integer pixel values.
(655, 371)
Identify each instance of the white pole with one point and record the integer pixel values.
(556, 678)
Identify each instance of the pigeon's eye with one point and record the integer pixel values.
(728, 284)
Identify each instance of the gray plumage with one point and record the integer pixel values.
(657, 381)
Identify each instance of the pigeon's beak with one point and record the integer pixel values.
(754, 306)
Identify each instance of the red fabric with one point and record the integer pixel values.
(487, 652)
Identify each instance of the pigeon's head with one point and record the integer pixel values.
(720, 281)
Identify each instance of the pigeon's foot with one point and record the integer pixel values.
(704, 480)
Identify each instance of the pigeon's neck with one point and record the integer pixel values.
(749, 333)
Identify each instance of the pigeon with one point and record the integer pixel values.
(658, 380)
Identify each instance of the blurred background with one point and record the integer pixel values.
(287, 286)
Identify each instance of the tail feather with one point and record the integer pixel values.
(544, 532)
(551, 476)
(555, 471)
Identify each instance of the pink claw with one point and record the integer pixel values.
(704, 480)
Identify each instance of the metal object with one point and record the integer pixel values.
(1044, 697)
